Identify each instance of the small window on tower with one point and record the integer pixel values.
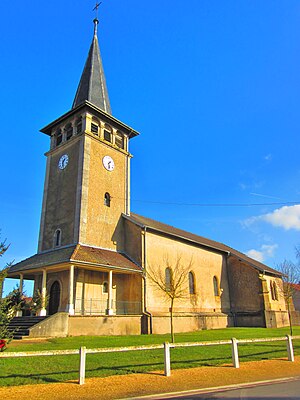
(107, 133)
(57, 238)
(69, 131)
(120, 140)
(94, 128)
(107, 199)
(58, 137)
(79, 126)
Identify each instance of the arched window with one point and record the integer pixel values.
(120, 140)
(275, 291)
(272, 290)
(79, 126)
(192, 289)
(107, 199)
(69, 131)
(95, 126)
(57, 238)
(105, 287)
(168, 278)
(107, 133)
(58, 137)
(216, 286)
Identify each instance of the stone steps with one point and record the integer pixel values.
(20, 326)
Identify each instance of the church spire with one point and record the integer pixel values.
(92, 85)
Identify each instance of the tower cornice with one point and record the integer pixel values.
(86, 106)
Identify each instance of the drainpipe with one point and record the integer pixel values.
(146, 312)
(229, 289)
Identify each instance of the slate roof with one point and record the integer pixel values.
(171, 230)
(76, 253)
(92, 85)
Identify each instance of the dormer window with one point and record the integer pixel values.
(57, 238)
(107, 199)
(120, 140)
(58, 137)
(69, 131)
(107, 133)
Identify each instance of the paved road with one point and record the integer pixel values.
(276, 391)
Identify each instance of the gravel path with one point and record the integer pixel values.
(125, 386)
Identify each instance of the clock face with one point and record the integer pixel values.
(63, 161)
(108, 163)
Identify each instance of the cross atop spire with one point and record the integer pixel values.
(92, 85)
(96, 21)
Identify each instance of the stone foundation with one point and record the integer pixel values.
(190, 322)
(104, 325)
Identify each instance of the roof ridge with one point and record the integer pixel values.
(202, 241)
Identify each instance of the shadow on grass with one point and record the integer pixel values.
(138, 368)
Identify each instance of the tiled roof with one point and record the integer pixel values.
(171, 230)
(296, 286)
(78, 254)
(107, 258)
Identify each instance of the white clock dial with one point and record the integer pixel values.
(108, 163)
(63, 161)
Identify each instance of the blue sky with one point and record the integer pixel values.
(213, 87)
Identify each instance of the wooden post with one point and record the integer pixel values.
(167, 359)
(290, 350)
(82, 359)
(235, 353)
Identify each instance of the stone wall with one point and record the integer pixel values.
(60, 196)
(189, 322)
(163, 251)
(55, 326)
(104, 325)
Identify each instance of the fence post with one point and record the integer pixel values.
(235, 353)
(290, 350)
(167, 359)
(82, 356)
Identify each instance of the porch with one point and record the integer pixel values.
(83, 281)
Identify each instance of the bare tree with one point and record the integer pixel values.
(291, 277)
(171, 279)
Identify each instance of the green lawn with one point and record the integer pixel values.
(20, 371)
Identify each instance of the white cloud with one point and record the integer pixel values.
(268, 157)
(287, 217)
(256, 255)
(266, 251)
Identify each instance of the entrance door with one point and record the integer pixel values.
(54, 298)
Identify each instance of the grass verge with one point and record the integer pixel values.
(21, 371)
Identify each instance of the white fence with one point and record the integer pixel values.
(83, 351)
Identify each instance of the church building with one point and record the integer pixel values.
(94, 252)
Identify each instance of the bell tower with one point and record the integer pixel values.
(87, 183)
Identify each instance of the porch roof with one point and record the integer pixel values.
(76, 254)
